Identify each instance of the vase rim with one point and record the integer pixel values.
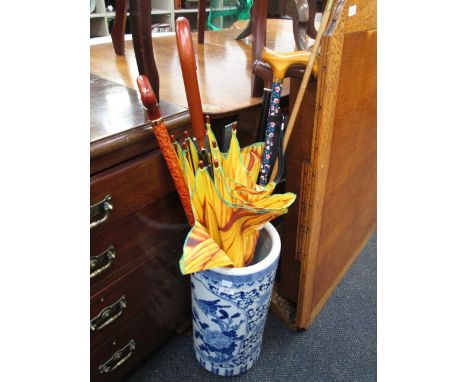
(261, 265)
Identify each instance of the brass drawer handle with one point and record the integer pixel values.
(119, 357)
(103, 207)
(109, 314)
(102, 261)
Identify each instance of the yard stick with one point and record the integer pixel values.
(305, 81)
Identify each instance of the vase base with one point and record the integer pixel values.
(227, 371)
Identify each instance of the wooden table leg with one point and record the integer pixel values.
(311, 31)
(140, 21)
(201, 21)
(118, 29)
(259, 18)
(248, 29)
(300, 16)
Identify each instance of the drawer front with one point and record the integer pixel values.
(155, 285)
(144, 233)
(130, 187)
(124, 351)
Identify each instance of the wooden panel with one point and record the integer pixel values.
(349, 209)
(329, 74)
(365, 17)
(144, 233)
(156, 285)
(299, 154)
(342, 180)
(132, 186)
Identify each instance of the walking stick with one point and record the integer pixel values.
(279, 62)
(148, 98)
(263, 70)
(305, 80)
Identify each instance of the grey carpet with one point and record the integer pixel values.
(341, 344)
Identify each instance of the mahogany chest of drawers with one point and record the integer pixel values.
(138, 296)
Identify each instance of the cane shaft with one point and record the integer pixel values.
(270, 130)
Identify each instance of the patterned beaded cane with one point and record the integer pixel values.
(279, 62)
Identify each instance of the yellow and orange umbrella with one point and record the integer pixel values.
(229, 208)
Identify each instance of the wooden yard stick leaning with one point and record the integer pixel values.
(148, 98)
(305, 80)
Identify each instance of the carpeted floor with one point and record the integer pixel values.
(341, 345)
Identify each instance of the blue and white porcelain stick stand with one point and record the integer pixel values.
(230, 307)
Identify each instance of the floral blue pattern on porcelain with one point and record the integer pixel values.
(229, 315)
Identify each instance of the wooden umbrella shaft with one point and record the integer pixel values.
(189, 74)
(305, 80)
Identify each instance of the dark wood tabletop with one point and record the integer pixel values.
(116, 108)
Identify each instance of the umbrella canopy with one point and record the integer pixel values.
(229, 207)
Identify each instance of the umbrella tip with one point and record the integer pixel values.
(184, 145)
(173, 140)
(201, 164)
(207, 119)
(234, 126)
(216, 164)
(186, 134)
(214, 144)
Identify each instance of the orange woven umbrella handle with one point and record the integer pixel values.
(148, 98)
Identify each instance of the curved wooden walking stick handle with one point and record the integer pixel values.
(189, 73)
(281, 61)
(148, 98)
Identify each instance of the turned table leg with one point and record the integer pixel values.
(311, 31)
(259, 18)
(201, 21)
(300, 16)
(140, 21)
(118, 30)
(248, 29)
